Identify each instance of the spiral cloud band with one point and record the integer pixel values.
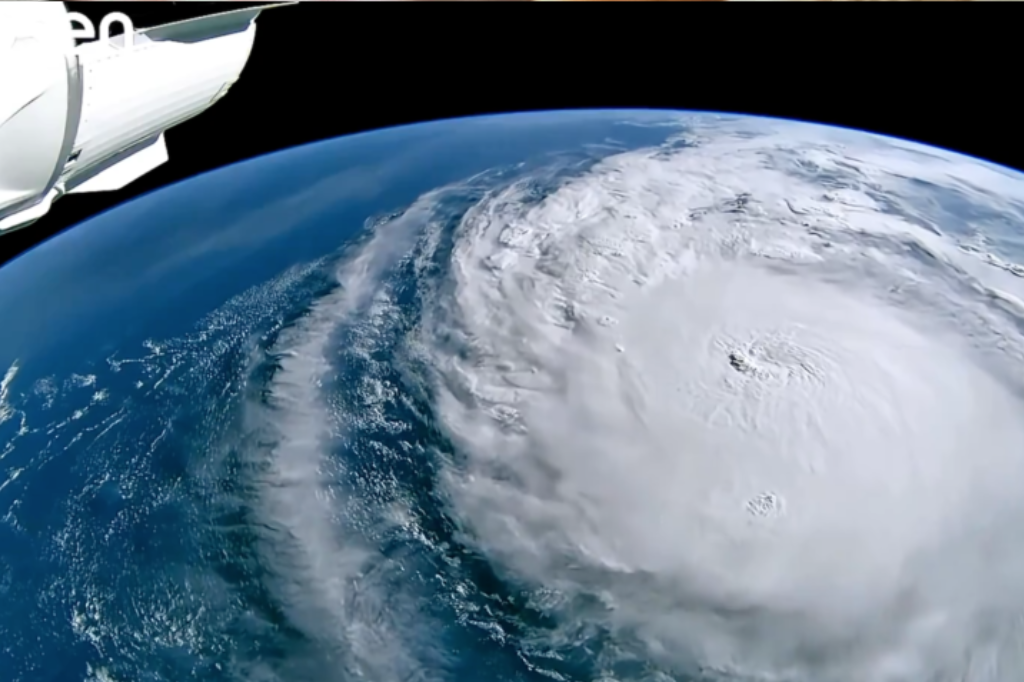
(753, 398)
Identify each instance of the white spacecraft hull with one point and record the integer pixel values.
(92, 118)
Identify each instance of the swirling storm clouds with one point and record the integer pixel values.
(745, 394)
(745, 407)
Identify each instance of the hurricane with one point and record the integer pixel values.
(745, 406)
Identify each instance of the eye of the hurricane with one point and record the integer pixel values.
(766, 504)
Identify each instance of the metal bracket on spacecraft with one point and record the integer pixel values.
(92, 117)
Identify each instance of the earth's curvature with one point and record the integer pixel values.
(590, 397)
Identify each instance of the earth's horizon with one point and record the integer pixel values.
(592, 396)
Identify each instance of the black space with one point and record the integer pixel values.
(320, 70)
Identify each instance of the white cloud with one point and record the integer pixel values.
(664, 340)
